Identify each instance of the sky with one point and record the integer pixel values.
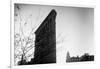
(74, 27)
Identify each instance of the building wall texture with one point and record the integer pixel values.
(45, 40)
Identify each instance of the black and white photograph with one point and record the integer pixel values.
(50, 34)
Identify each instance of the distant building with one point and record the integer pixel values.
(85, 57)
(68, 57)
(45, 41)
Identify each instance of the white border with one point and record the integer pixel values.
(12, 31)
(73, 4)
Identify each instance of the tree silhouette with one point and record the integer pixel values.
(24, 45)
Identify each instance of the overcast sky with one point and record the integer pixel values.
(74, 27)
